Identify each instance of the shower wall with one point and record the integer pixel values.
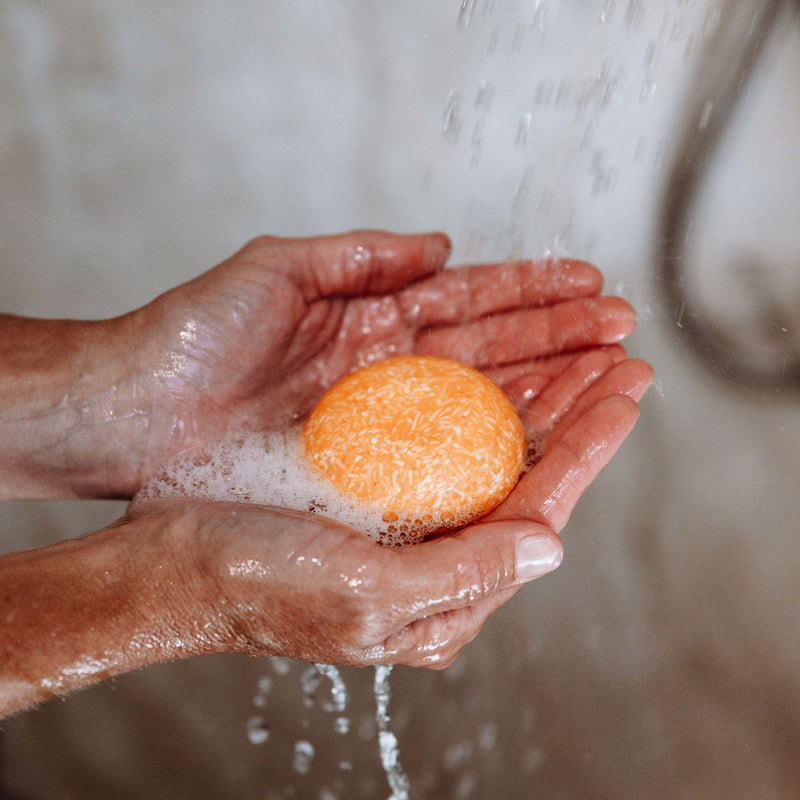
(143, 142)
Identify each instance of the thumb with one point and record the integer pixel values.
(470, 566)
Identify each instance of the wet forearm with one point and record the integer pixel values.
(84, 610)
(68, 410)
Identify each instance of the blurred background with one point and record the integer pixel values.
(143, 142)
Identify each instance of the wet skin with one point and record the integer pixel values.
(90, 409)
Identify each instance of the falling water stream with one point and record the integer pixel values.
(304, 750)
(387, 741)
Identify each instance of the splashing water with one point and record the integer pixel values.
(303, 754)
(304, 751)
(338, 689)
(257, 730)
(387, 741)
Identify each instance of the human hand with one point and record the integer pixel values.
(178, 578)
(301, 585)
(96, 407)
(257, 339)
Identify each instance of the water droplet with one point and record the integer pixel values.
(309, 682)
(457, 755)
(465, 786)
(465, 12)
(342, 725)
(338, 688)
(257, 730)
(487, 737)
(303, 755)
(524, 129)
(519, 35)
(606, 11)
(281, 665)
(493, 41)
(648, 88)
(453, 117)
(484, 96)
(705, 115)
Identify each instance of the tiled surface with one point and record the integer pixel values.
(142, 142)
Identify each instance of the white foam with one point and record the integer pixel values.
(270, 469)
(267, 469)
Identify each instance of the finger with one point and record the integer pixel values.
(544, 399)
(532, 333)
(361, 262)
(513, 378)
(631, 377)
(467, 567)
(472, 292)
(436, 640)
(550, 491)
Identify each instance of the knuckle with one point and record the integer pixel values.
(479, 578)
(260, 242)
(433, 642)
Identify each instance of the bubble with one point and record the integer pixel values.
(263, 468)
(270, 469)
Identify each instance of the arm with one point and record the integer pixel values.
(83, 610)
(68, 409)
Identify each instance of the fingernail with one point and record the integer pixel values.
(536, 556)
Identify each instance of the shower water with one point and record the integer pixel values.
(387, 741)
(334, 702)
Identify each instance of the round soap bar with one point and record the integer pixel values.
(429, 443)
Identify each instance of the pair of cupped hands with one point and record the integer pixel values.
(253, 343)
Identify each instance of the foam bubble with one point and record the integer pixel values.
(270, 469)
(267, 469)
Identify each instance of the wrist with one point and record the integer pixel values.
(72, 420)
(86, 609)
